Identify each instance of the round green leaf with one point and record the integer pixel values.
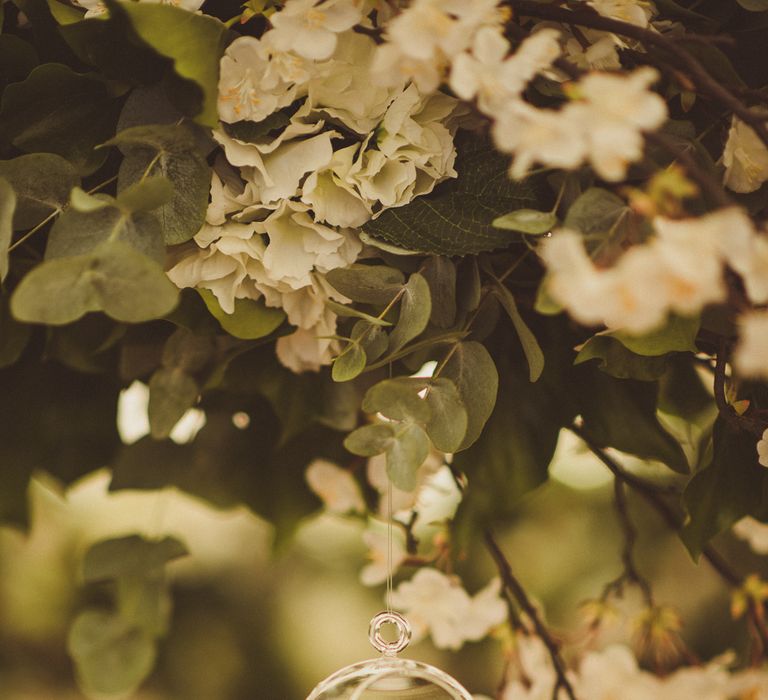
(349, 364)
(397, 399)
(447, 424)
(370, 440)
(405, 454)
(369, 284)
(529, 221)
(250, 320)
(171, 393)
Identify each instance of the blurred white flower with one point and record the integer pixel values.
(439, 605)
(753, 531)
(638, 12)
(97, 7)
(602, 53)
(495, 78)
(248, 88)
(751, 355)
(745, 159)
(310, 27)
(336, 487)
(762, 449)
(378, 567)
(532, 676)
(614, 673)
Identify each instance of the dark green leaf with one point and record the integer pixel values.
(370, 440)
(250, 320)
(7, 208)
(171, 393)
(600, 216)
(531, 348)
(372, 339)
(397, 399)
(677, 335)
(528, 221)
(252, 132)
(447, 424)
(56, 110)
(17, 59)
(456, 219)
(440, 273)
(415, 310)
(146, 195)
(405, 454)
(619, 362)
(733, 486)
(369, 284)
(42, 182)
(472, 370)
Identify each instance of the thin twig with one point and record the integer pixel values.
(704, 81)
(516, 590)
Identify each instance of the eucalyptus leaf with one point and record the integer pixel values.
(349, 363)
(171, 393)
(146, 194)
(178, 34)
(415, 310)
(131, 555)
(250, 320)
(114, 278)
(677, 335)
(397, 399)
(530, 221)
(370, 440)
(447, 423)
(351, 312)
(405, 454)
(369, 284)
(56, 110)
(456, 218)
(7, 209)
(472, 370)
(618, 361)
(372, 339)
(599, 215)
(531, 346)
(42, 182)
(173, 152)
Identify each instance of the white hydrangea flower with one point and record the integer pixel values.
(751, 355)
(745, 159)
(336, 487)
(492, 76)
(307, 349)
(749, 529)
(618, 109)
(310, 27)
(638, 12)
(378, 568)
(228, 261)
(248, 88)
(439, 605)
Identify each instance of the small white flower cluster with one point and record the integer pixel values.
(614, 673)
(679, 270)
(286, 200)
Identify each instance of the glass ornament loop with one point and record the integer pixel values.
(403, 633)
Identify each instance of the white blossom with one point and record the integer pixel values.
(310, 27)
(336, 487)
(439, 605)
(307, 349)
(762, 449)
(95, 8)
(745, 158)
(751, 530)
(248, 88)
(638, 12)
(751, 355)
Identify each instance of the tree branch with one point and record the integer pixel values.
(701, 78)
(516, 590)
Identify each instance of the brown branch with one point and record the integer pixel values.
(703, 80)
(675, 522)
(516, 590)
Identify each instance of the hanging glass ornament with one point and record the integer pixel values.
(389, 677)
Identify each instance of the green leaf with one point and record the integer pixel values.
(42, 182)
(370, 440)
(100, 220)
(677, 335)
(56, 110)
(349, 363)
(252, 132)
(531, 348)
(447, 424)
(170, 151)
(369, 284)
(616, 360)
(171, 393)
(64, 14)
(415, 310)
(754, 5)
(17, 59)
(599, 215)
(621, 413)
(188, 351)
(397, 399)
(111, 655)
(116, 279)
(528, 221)
(146, 195)
(405, 454)
(250, 320)
(456, 219)
(372, 339)
(351, 312)
(179, 34)
(131, 555)
(472, 370)
(440, 273)
(7, 208)
(732, 486)
(85, 203)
